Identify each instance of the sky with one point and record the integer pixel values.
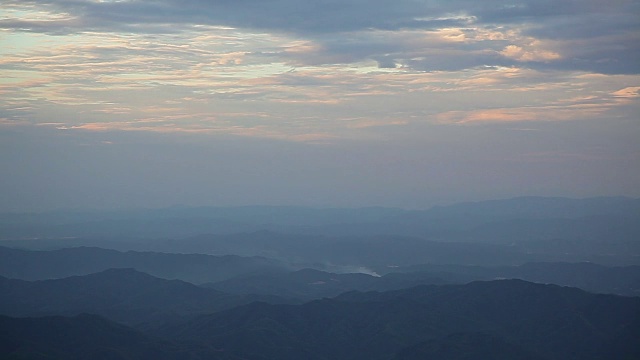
(352, 103)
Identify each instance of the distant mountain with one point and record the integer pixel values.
(499, 232)
(178, 221)
(309, 284)
(542, 207)
(306, 284)
(123, 295)
(195, 268)
(89, 337)
(384, 250)
(322, 252)
(621, 280)
(609, 223)
(524, 320)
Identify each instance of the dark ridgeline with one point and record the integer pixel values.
(124, 295)
(508, 319)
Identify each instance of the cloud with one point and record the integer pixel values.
(508, 115)
(348, 31)
(280, 15)
(528, 55)
(323, 15)
(631, 92)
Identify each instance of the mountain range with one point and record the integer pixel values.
(195, 268)
(126, 296)
(502, 319)
(500, 232)
(526, 278)
(541, 321)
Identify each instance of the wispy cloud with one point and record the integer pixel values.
(483, 26)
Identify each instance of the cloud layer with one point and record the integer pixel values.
(543, 34)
